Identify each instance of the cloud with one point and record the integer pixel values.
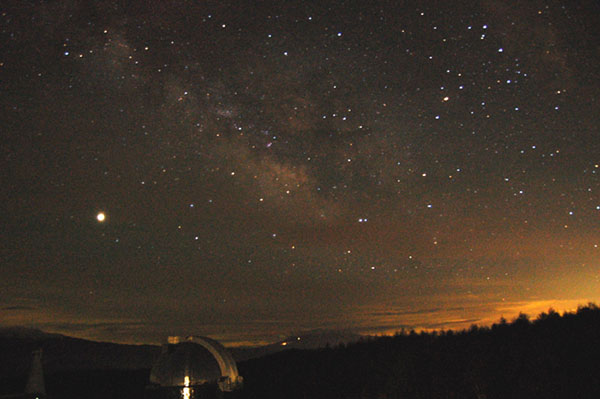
(19, 307)
(110, 327)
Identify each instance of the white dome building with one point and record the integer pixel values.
(193, 367)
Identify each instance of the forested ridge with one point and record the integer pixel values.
(553, 356)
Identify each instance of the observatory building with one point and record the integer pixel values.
(193, 368)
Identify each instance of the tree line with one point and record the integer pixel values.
(553, 356)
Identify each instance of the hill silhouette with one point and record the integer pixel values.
(553, 356)
(63, 353)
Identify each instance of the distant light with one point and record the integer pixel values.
(101, 217)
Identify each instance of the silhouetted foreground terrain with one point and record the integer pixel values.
(62, 353)
(552, 357)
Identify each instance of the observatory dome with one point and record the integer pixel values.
(185, 360)
(193, 362)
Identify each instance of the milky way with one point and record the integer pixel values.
(275, 168)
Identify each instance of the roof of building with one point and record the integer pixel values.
(194, 361)
(185, 364)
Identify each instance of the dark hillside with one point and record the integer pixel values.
(552, 357)
(62, 353)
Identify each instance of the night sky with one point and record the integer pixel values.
(274, 167)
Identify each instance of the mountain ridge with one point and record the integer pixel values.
(62, 352)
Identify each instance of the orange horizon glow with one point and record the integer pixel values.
(444, 320)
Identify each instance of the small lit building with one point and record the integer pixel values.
(193, 368)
